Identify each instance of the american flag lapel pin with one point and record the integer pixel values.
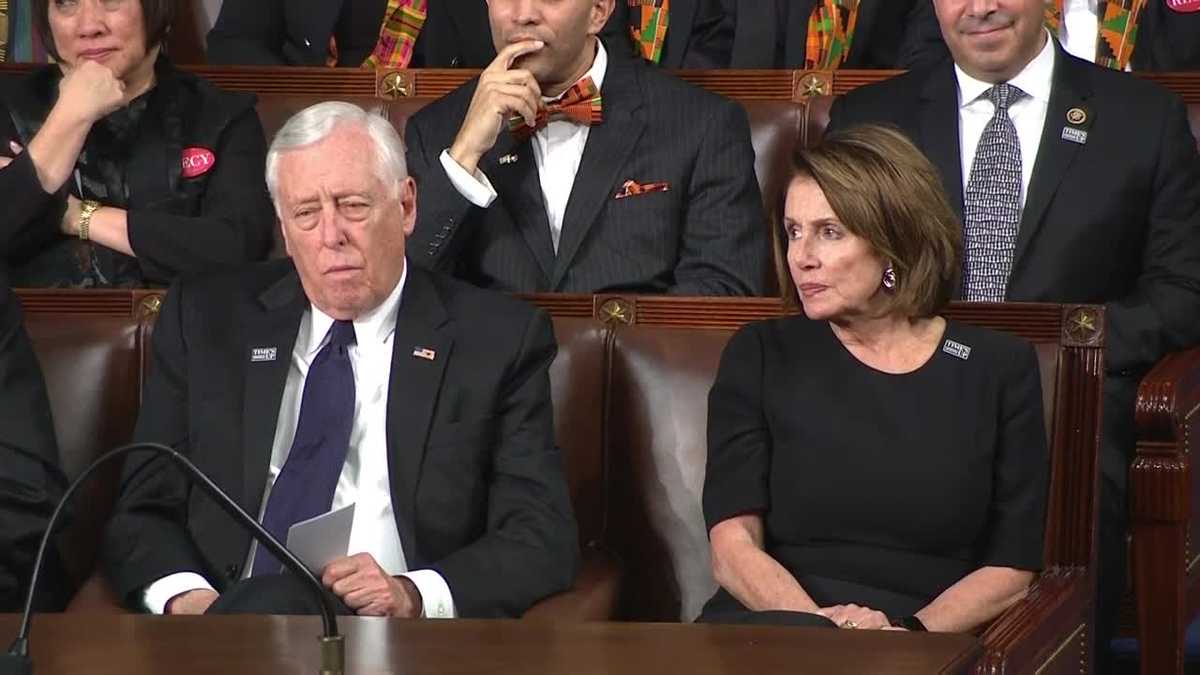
(424, 353)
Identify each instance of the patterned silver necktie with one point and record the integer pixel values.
(992, 203)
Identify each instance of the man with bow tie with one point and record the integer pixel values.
(560, 169)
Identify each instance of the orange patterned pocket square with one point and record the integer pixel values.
(632, 188)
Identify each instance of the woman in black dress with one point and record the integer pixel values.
(872, 464)
(116, 169)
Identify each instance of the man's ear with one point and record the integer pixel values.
(601, 11)
(408, 203)
(287, 247)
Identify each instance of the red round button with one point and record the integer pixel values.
(1184, 6)
(197, 161)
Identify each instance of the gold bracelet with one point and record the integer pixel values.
(85, 217)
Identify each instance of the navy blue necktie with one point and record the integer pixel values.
(306, 483)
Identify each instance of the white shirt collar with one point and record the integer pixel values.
(377, 324)
(1036, 79)
(596, 72)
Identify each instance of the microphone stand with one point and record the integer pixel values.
(333, 655)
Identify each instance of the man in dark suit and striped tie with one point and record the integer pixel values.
(562, 169)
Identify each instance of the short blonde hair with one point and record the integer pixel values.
(884, 190)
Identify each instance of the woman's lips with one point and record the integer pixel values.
(95, 54)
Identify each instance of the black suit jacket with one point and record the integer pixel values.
(476, 482)
(889, 34)
(1167, 40)
(30, 481)
(705, 235)
(1115, 220)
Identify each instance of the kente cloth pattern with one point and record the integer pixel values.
(1117, 36)
(830, 34)
(581, 104)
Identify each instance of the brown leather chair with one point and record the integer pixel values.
(92, 367)
(577, 381)
(658, 406)
(776, 129)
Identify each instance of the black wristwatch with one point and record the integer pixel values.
(909, 623)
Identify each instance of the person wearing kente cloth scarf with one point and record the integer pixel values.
(565, 169)
(1076, 184)
(1154, 35)
(119, 170)
(832, 34)
(692, 34)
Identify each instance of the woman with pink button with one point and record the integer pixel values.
(116, 169)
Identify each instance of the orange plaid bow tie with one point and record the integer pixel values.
(581, 104)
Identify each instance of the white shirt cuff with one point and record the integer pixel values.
(156, 596)
(476, 188)
(436, 600)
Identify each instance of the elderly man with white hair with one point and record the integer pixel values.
(344, 376)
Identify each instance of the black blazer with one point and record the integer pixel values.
(889, 34)
(1167, 40)
(30, 480)
(705, 235)
(477, 483)
(221, 218)
(1115, 220)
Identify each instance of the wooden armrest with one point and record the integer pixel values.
(1168, 401)
(96, 596)
(1050, 622)
(1166, 397)
(1162, 488)
(592, 598)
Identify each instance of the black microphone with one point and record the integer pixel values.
(333, 655)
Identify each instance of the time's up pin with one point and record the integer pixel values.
(1076, 117)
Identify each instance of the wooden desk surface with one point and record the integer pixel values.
(264, 645)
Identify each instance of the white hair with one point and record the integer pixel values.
(317, 122)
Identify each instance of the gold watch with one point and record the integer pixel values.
(85, 217)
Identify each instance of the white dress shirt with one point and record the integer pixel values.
(1080, 28)
(557, 151)
(975, 110)
(364, 480)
